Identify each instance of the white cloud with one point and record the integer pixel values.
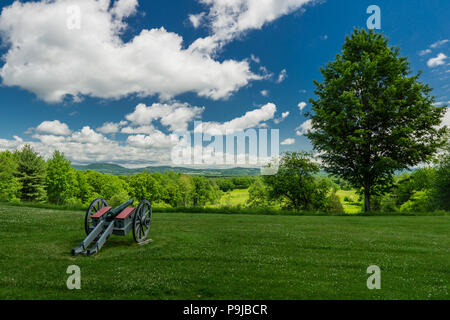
(124, 8)
(6, 144)
(288, 142)
(441, 103)
(231, 19)
(155, 140)
(284, 115)
(302, 105)
(196, 19)
(88, 146)
(424, 52)
(251, 119)
(282, 76)
(174, 115)
(54, 127)
(145, 145)
(437, 61)
(264, 93)
(138, 130)
(254, 58)
(111, 127)
(304, 128)
(439, 43)
(87, 135)
(53, 61)
(433, 46)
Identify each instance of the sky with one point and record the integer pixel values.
(114, 81)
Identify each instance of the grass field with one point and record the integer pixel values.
(354, 205)
(234, 198)
(202, 256)
(240, 197)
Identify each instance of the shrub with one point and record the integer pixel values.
(388, 204)
(333, 204)
(419, 202)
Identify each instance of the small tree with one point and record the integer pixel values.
(9, 185)
(60, 179)
(294, 185)
(372, 117)
(31, 174)
(258, 196)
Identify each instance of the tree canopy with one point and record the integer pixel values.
(372, 117)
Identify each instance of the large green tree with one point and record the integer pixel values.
(60, 179)
(372, 116)
(31, 174)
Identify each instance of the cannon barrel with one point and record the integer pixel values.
(115, 212)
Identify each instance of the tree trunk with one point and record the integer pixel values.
(366, 198)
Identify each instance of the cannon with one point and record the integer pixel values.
(101, 221)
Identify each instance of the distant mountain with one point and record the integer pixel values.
(119, 170)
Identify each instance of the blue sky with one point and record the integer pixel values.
(298, 39)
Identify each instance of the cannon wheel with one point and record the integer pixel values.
(142, 221)
(95, 205)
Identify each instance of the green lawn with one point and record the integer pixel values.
(354, 205)
(202, 256)
(234, 198)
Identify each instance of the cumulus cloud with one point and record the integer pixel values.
(437, 61)
(111, 127)
(284, 115)
(304, 128)
(288, 142)
(88, 146)
(174, 115)
(251, 119)
(231, 19)
(302, 105)
(433, 46)
(155, 140)
(54, 127)
(196, 19)
(144, 144)
(54, 61)
(124, 8)
(264, 93)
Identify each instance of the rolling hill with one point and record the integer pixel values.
(115, 169)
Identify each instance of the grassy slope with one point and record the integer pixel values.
(236, 197)
(228, 257)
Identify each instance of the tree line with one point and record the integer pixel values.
(26, 176)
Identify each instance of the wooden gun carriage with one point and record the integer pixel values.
(101, 221)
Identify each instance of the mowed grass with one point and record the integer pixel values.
(234, 198)
(202, 256)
